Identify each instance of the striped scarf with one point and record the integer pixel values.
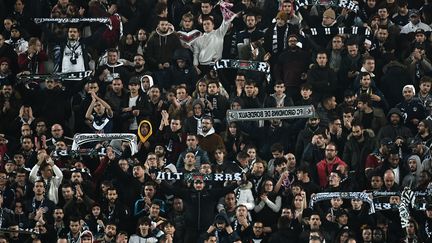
(275, 39)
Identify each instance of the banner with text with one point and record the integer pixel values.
(71, 20)
(270, 113)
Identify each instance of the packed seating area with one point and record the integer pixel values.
(252, 121)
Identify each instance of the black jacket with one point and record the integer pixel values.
(355, 153)
(394, 131)
(142, 104)
(199, 205)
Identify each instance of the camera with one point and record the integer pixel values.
(73, 59)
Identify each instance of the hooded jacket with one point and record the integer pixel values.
(412, 109)
(150, 78)
(324, 169)
(411, 179)
(244, 195)
(394, 131)
(210, 141)
(186, 75)
(161, 47)
(87, 233)
(221, 234)
(144, 138)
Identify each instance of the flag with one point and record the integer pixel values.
(226, 11)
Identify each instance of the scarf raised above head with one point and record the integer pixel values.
(275, 38)
(226, 11)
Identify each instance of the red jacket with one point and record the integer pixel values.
(324, 169)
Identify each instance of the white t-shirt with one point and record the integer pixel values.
(132, 102)
(67, 66)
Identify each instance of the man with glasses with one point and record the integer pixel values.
(238, 89)
(139, 66)
(208, 139)
(327, 165)
(57, 134)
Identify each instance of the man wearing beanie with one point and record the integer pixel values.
(329, 18)
(412, 108)
(321, 40)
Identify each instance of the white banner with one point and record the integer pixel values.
(71, 76)
(270, 113)
(71, 20)
(83, 138)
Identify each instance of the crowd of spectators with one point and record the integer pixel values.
(366, 70)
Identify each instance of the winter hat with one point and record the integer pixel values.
(409, 86)
(282, 15)
(86, 233)
(134, 80)
(330, 13)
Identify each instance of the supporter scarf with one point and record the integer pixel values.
(275, 39)
(407, 199)
(226, 11)
(83, 138)
(349, 4)
(428, 229)
(243, 64)
(334, 30)
(71, 20)
(70, 76)
(323, 196)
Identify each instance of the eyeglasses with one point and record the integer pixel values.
(198, 182)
